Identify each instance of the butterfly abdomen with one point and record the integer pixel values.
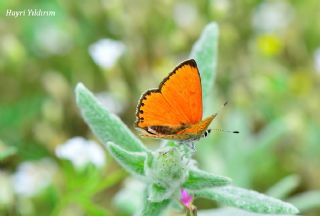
(184, 132)
(166, 130)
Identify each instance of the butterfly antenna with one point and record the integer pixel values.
(221, 130)
(221, 108)
(225, 131)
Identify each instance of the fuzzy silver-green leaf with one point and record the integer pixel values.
(307, 200)
(153, 208)
(133, 162)
(283, 188)
(205, 52)
(198, 179)
(104, 124)
(247, 199)
(158, 193)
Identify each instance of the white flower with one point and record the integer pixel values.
(129, 198)
(110, 102)
(81, 152)
(32, 177)
(270, 17)
(53, 40)
(317, 60)
(184, 14)
(222, 5)
(106, 52)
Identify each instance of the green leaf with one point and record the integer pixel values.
(154, 208)
(198, 179)
(110, 180)
(105, 125)
(205, 52)
(158, 193)
(93, 209)
(16, 115)
(133, 162)
(247, 199)
(307, 200)
(284, 187)
(268, 137)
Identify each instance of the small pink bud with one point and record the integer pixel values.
(186, 198)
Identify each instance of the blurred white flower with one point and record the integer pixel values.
(106, 52)
(32, 177)
(56, 84)
(110, 102)
(221, 5)
(12, 48)
(184, 14)
(129, 198)
(317, 60)
(53, 40)
(81, 152)
(270, 17)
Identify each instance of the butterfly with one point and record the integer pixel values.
(174, 110)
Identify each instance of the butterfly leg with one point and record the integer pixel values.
(192, 146)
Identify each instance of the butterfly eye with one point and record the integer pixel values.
(206, 133)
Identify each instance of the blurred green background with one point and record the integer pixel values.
(268, 70)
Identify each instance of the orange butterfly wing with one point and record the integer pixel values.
(177, 101)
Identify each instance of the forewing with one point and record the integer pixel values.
(177, 101)
(182, 90)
